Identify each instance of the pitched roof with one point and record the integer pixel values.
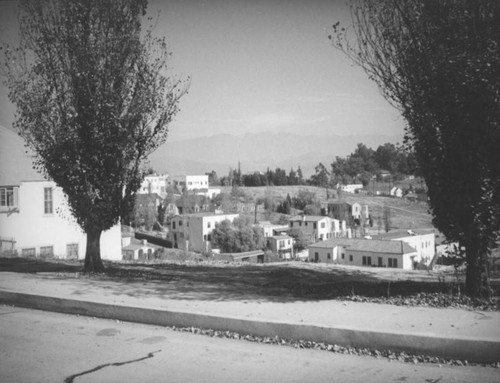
(368, 245)
(308, 218)
(278, 237)
(402, 234)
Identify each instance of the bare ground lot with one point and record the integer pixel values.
(280, 282)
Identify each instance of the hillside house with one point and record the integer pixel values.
(271, 229)
(396, 192)
(189, 182)
(339, 210)
(281, 245)
(351, 188)
(138, 250)
(154, 183)
(35, 221)
(318, 228)
(364, 252)
(194, 231)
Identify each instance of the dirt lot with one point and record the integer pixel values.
(273, 281)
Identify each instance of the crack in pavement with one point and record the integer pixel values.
(71, 378)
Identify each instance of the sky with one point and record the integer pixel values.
(257, 66)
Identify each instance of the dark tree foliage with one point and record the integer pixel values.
(93, 101)
(301, 241)
(238, 236)
(438, 61)
(321, 177)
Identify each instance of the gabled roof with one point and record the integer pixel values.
(402, 234)
(279, 237)
(368, 245)
(308, 218)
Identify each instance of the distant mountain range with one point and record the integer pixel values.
(254, 152)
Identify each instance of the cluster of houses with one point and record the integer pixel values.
(35, 222)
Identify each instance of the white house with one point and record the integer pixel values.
(318, 228)
(271, 229)
(35, 221)
(364, 252)
(154, 183)
(135, 249)
(396, 192)
(282, 245)
(351, 188)
(195, 230)
(190, 182)
(424, 242)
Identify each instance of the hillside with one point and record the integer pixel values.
(404, 214)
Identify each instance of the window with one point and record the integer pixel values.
(209, 224)
(47, 201)
(180, 223)
(173, 225)
(46, 251)
(204, 237)
(72, 251)
(7, 197)
(369, 260)
(350, 258)
(343, 256)
(323, 225)
(379, 261)
(315, 225)
(364, 260)
(31, 252)
(393, 262)
(328, 256)
(209, 237)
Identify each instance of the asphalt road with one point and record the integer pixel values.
(37, 346)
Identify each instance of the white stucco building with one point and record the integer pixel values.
(351, 188)
(364, 252)
(195, 230)
(154, 183)
(424, 242)
(189, 182)
(35, 221)
(318, 228)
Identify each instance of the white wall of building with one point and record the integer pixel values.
(197, 229)
(32, 228)
(154, 184)
(190, 182)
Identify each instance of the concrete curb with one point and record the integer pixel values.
(473, 350)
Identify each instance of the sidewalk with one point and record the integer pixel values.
(448, 333)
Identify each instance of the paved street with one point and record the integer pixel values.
(39, 346)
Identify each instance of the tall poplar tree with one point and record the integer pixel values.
(94, 98)
(438, 62)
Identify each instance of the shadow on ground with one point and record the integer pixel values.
(270, 282)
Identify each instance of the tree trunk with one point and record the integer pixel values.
(476, 277)
(93, 262)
